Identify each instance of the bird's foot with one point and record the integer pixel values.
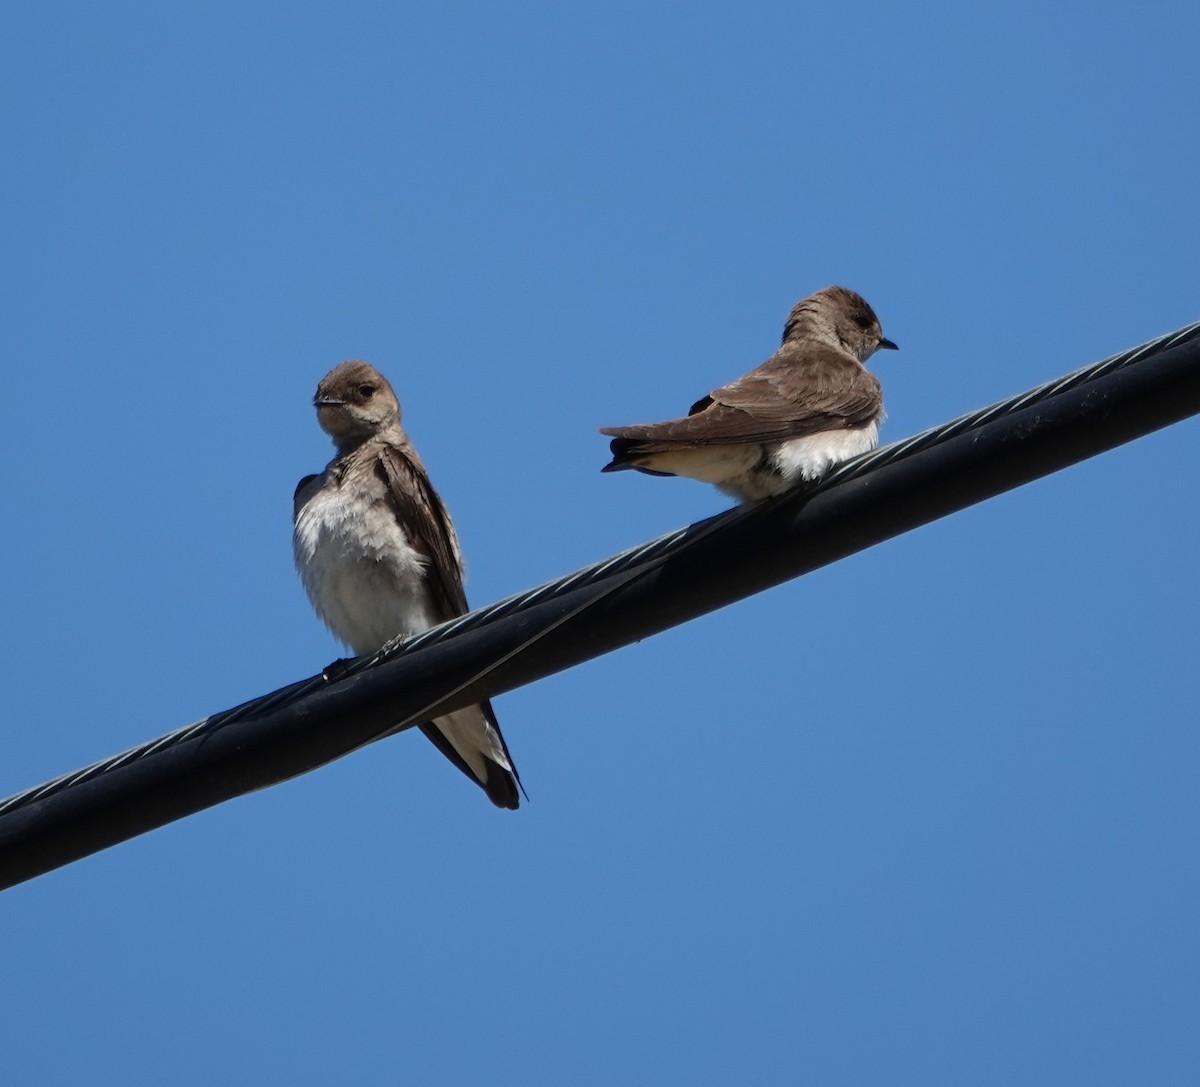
(389, 646)
(331, 673)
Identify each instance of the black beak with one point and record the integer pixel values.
(888, 344)
(326, 401)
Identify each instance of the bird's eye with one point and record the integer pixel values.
(366, 391)
(862, 320)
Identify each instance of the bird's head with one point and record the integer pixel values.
(354, 402)
(839, 317)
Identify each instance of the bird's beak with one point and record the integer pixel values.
(889, 345)
(326, 402)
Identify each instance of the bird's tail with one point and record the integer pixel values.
(471, 739)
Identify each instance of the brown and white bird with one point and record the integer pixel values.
(379, 556)
(809, 406)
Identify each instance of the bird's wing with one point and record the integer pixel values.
(421, 513)
(802, 389)
(305, 489)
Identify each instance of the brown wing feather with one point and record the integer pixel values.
(802, 389)
(426, 522)
(420, 511)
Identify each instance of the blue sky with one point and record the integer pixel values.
(926, 816)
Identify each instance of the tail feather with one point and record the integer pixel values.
(625, 452)
(501, 784)
(620, 448)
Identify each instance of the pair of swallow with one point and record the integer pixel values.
(377, 551)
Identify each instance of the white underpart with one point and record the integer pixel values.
(722, 465)
(363, 577)
(809, 458)
(368, 585)
(469, 731)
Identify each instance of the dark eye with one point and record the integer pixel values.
(366, 391)
(862, 320)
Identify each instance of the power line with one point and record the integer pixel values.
(604, 606)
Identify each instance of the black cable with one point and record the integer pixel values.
(612, 603)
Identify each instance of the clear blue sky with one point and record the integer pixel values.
(925, 817)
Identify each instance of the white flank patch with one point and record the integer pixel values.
(809, 458)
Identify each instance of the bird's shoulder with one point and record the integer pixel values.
(305, 489)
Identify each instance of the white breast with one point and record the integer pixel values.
(363, 577)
